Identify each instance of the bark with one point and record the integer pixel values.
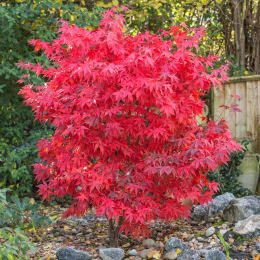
(256, 50)
(227, 23)
(113, 231)
(237, 6)
(247, 23)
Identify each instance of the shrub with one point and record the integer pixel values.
(227, 175)
(16, 216)
(127, 140)
(19, 135)
(14, 244)
(21, 20)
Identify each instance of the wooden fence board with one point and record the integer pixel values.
(240, 116)
(251, 109)
(229, 116)
(219, 100)
(245, 124)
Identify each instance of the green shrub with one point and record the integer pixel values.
(19, 135)
(227, 174)
(21, 21)
(14, 244)
(16, 216)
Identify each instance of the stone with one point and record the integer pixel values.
(215, 207)
(249, 227)
(111, 253)
(148, 243)
(229, 234)
(215, 254)
(210, 231)
(200, 239)
(173, 244)
(258, 246)
(170, 256)
(212, 242)
(254, 253)
(220, 203)
(68, 253)
(144, 252)
(199, 212)
(74, 231)
(238, 254)
(189, 254)
(202, 252)
(242, 208)
(159, 245)
(222, 231)
(133, 252)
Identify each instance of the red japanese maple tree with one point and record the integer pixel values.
(127, 140)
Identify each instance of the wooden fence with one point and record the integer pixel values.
(245, 124)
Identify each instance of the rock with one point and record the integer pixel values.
(173, 244)
(202, 252)
(148, 243)
(229, 234)
(215, 254)
(159, 245)
(249, 227)
(74, 231)
(111, 253)
(170, 255)
(144, 253)
(258, 246)
(199, 212)
(188, 254)
(200, 239)
(238, 255)
(210, 231)
(133, 252)
(222, 231)
(212, 242)
(215, 208)
(242, 208)
(254, 253)
(68, 253)
(211, 220)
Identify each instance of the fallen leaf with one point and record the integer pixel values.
(154, 254)
(185, 236)
(178, 251)
(66, 228)
(126, 245)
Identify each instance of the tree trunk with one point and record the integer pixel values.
(239, 32)
(113, 231)
(256, 50)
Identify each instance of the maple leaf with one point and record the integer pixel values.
(234, 108)
(236, 96)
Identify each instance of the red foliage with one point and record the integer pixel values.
(131, 103)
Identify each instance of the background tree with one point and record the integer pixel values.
(233, 26)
